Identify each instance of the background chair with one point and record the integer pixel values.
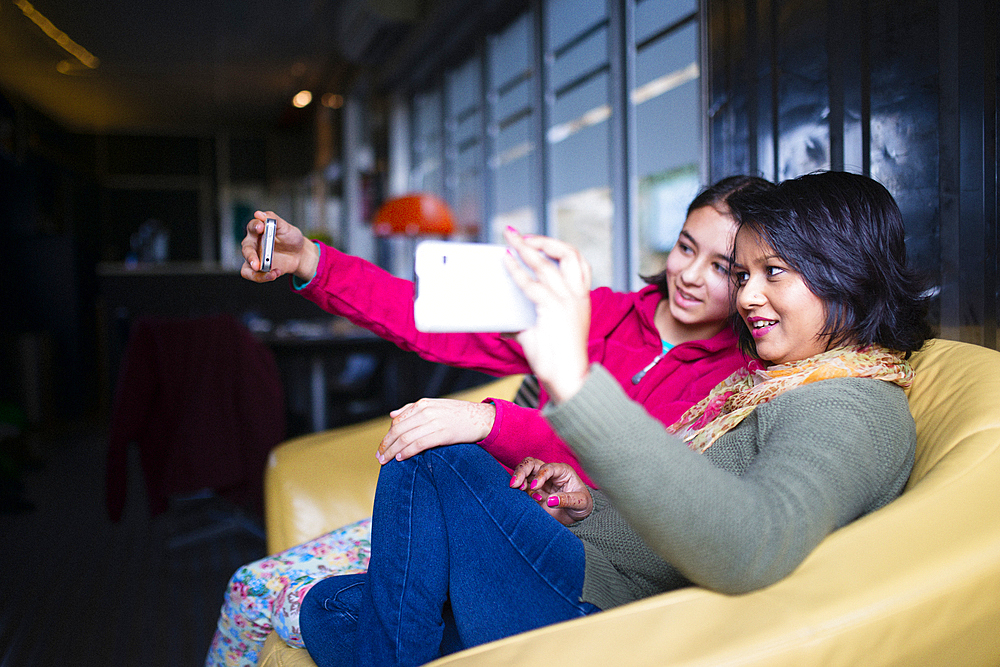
(202, 400)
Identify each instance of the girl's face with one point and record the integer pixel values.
(697, 268)
(785, 318)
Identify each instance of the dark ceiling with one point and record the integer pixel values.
(189, 66)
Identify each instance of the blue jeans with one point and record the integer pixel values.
(458, 559)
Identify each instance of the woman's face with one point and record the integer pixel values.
(698, 268)
(785, 318)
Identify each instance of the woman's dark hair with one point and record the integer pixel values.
(716, 196)
(843, 233)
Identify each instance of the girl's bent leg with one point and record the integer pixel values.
(514, 567)
(263, 596)
(401, 615)
(329, 619)
(447, 523)
(343, 551)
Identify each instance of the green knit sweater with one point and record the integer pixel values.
(745, 513)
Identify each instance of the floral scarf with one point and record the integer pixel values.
(740, 394)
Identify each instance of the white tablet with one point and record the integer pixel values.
(464, 287)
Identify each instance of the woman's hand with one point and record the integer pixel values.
(556, 487)
(434, 422)
(556, 347)
(293, 252)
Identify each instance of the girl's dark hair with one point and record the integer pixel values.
(843, 233)
(716, 196)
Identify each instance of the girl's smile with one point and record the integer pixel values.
(697, 278)
(684, 299)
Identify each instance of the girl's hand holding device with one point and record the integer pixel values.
(292, 252)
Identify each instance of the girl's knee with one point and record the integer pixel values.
(246, 596)
(457, 456)
(287, 612)
(340, 594)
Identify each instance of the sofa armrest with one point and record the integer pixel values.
(319, 482)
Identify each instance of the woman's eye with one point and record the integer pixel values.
(684, 247)
(773, 271)
(722, 269)
(741, 277)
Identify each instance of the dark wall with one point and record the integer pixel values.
(47, 337)
(903, 92)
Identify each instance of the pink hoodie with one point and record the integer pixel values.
(622, 338)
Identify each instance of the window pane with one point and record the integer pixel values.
(668, 132)
(668, 129)
(580, 204)
(463, 124)
(652, 16)
(468, 193)
(578, 138)
(671, 54)
(582, 58)
(513, 101)
(450, 149)
(468, 128)
(579, 197)
(427, 143)
(511, 163)
(566, 19)
(511, 121)
(463, 85)
(510, 52)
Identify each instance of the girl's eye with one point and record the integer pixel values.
(722, 269)
(741, 277)
(685, 248)
(773, 271)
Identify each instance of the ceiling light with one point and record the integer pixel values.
(302, 98)
(57, 35)
(73, 67)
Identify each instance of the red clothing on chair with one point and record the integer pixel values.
(203, 401)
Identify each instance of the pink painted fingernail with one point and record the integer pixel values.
(553, 501)
(537, 496)
(534, 483)
(512, 480)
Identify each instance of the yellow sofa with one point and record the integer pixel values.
(916, 583)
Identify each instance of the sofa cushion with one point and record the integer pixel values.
(951, 379)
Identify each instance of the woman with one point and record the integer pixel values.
(740, 490)
(667, 344)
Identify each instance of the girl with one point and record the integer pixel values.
(667, 345)
(732, 497)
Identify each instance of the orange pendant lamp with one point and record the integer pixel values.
(415, 214)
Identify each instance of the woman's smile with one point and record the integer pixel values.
(760, 327)
(787, 321)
